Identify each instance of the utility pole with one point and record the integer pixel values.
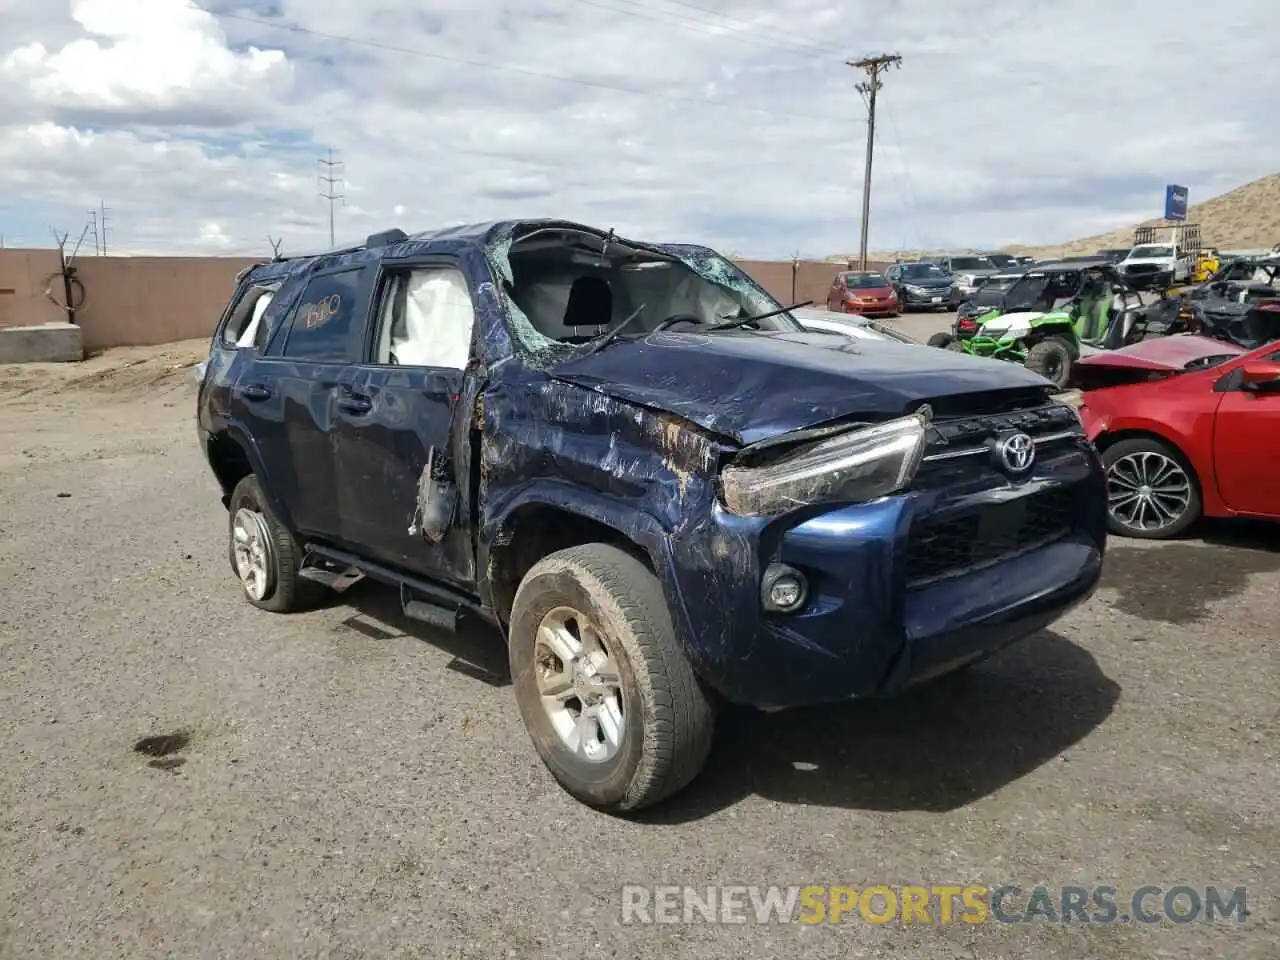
(331, 180)
(874, 67)
(93, 226)
(102, 225)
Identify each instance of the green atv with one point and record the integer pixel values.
(1049, 317)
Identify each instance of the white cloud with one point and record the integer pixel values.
(144, 56)
(1038, 123)
(213, 235)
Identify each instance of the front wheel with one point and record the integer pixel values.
(611, 704)
(1051, 358)
(1151, 492)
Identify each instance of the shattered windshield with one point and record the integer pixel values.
(565, 288)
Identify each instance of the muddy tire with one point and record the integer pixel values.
(1152, 492)
(610, 702)
(1051, 358)
(265, 556)
(942, 340)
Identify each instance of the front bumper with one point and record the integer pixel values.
(893, 599)
(1148, 277)
(872, 308)
(940, 297)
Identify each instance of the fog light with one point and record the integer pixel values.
(783, 589)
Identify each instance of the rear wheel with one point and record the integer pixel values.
(1051, 358)
(265, 555)
(1151, 491)
(609, 699)
(942, 340)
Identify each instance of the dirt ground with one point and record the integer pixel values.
(350, 784)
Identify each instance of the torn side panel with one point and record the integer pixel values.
(437, 500)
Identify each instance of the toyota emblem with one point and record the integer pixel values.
(1017, 452)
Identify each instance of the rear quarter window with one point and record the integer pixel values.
(320, 328)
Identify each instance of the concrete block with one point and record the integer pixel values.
(43, 343)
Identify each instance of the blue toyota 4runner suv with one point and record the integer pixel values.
(643, 470)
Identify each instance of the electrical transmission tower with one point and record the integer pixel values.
(874, 67)
(93, 228)
(102, 225)
(330, 177)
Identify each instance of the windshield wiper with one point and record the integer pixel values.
(743, 321)
(610, 336)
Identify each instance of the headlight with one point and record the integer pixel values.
(858, 465)
(915, 289)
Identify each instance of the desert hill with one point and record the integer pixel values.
(1245, 218)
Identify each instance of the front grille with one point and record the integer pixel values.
(937, 549)
(950, 435)
(1143, 268)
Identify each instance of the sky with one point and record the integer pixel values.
(199, 124)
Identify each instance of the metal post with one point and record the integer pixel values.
(874, 67)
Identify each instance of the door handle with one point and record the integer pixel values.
(256, 391)
(354, 403)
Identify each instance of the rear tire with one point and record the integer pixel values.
(1051, 358)
(265, 555)
(607, 695)
(942, 340)
(1173, 497)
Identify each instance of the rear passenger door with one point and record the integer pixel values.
(292, 394)
(403, 443)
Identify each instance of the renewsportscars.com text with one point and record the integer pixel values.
(933, 904)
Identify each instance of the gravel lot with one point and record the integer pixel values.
(357, 785)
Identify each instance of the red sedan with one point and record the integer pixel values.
(1186, 427)
(866, 294)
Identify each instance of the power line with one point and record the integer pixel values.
(751, 25)
(331, 179)
(525, 72)
(874, 67)
(684, 24)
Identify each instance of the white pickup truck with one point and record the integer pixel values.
(1162, 263)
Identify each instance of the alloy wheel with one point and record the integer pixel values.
(254, 556)
(1147, 491)
(579, 684)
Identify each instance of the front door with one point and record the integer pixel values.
(1246, 432)
(402, 426)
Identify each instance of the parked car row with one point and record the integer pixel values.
(1178, 393)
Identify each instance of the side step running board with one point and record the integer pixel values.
(427, 602)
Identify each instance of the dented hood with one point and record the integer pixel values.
(750, 386)
(1163, 353)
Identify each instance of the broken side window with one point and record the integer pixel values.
(245, 329)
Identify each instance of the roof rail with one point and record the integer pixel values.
(386, 238)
